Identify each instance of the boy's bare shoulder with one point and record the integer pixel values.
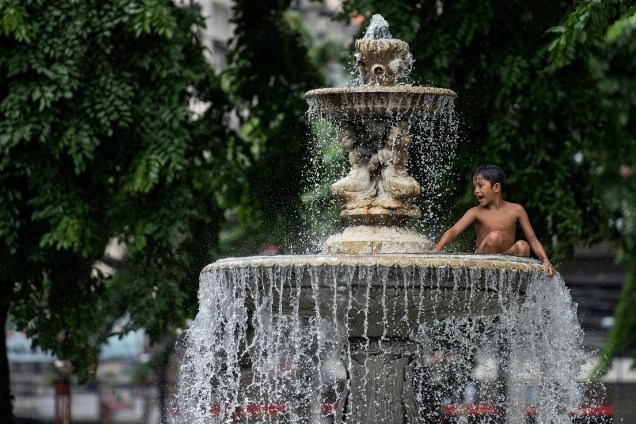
(516, 208)
(474, 214)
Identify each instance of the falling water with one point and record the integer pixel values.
(431, 158)
(288, 358)
(379, 331)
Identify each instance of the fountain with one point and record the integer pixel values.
(348, 334)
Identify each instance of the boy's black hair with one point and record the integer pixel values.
(491, 173)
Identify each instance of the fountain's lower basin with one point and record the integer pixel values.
(380, 295)
(357, 332)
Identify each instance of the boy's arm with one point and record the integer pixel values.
(534, 243)
(455, 230)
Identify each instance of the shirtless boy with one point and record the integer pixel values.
(496, 220)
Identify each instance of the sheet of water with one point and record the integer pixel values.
(431, 157)
(301, 344)
(271, 345)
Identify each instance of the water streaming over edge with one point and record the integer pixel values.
(295, 342)
(290, 358)
(431, 158)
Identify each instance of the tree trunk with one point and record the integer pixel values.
(6, 400)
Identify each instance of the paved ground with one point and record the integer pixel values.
(86, 408)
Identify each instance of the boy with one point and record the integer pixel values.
(496, 220)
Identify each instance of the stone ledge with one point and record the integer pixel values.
(427, 260)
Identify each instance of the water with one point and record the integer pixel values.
(286, 353)
(431, 157)
(370, 112)
(384, 338)
(378, 29)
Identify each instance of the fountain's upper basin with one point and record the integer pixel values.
(376, 295)
(379, 102)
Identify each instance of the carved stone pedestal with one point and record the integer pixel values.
(367, 239)
(380, 386)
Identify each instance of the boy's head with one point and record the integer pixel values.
(491, 173)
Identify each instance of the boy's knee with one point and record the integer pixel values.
(495, 237)
(522, 248)
(491, 243)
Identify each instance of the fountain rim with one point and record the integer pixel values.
(388, 260)
(371, 89)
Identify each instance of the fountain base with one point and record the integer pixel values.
(381, 375)
(366, 239)
(379, 338)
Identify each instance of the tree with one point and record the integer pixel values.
(543, 90)
(514, 111)
(97, 141)
(269, 71)
(612, 61)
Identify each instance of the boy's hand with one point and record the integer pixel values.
(549, 267)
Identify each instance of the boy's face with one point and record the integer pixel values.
(484, 191)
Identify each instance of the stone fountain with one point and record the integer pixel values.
(339, 334)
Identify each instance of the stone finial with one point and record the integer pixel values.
(383, 62)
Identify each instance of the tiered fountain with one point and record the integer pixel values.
(343, 333)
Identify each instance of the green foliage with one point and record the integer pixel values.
(622, 335)
(97, 141)
(532, 121)
(546, 91)
(583, 27)
(269, 73)
(614, 66)
(329, 49)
